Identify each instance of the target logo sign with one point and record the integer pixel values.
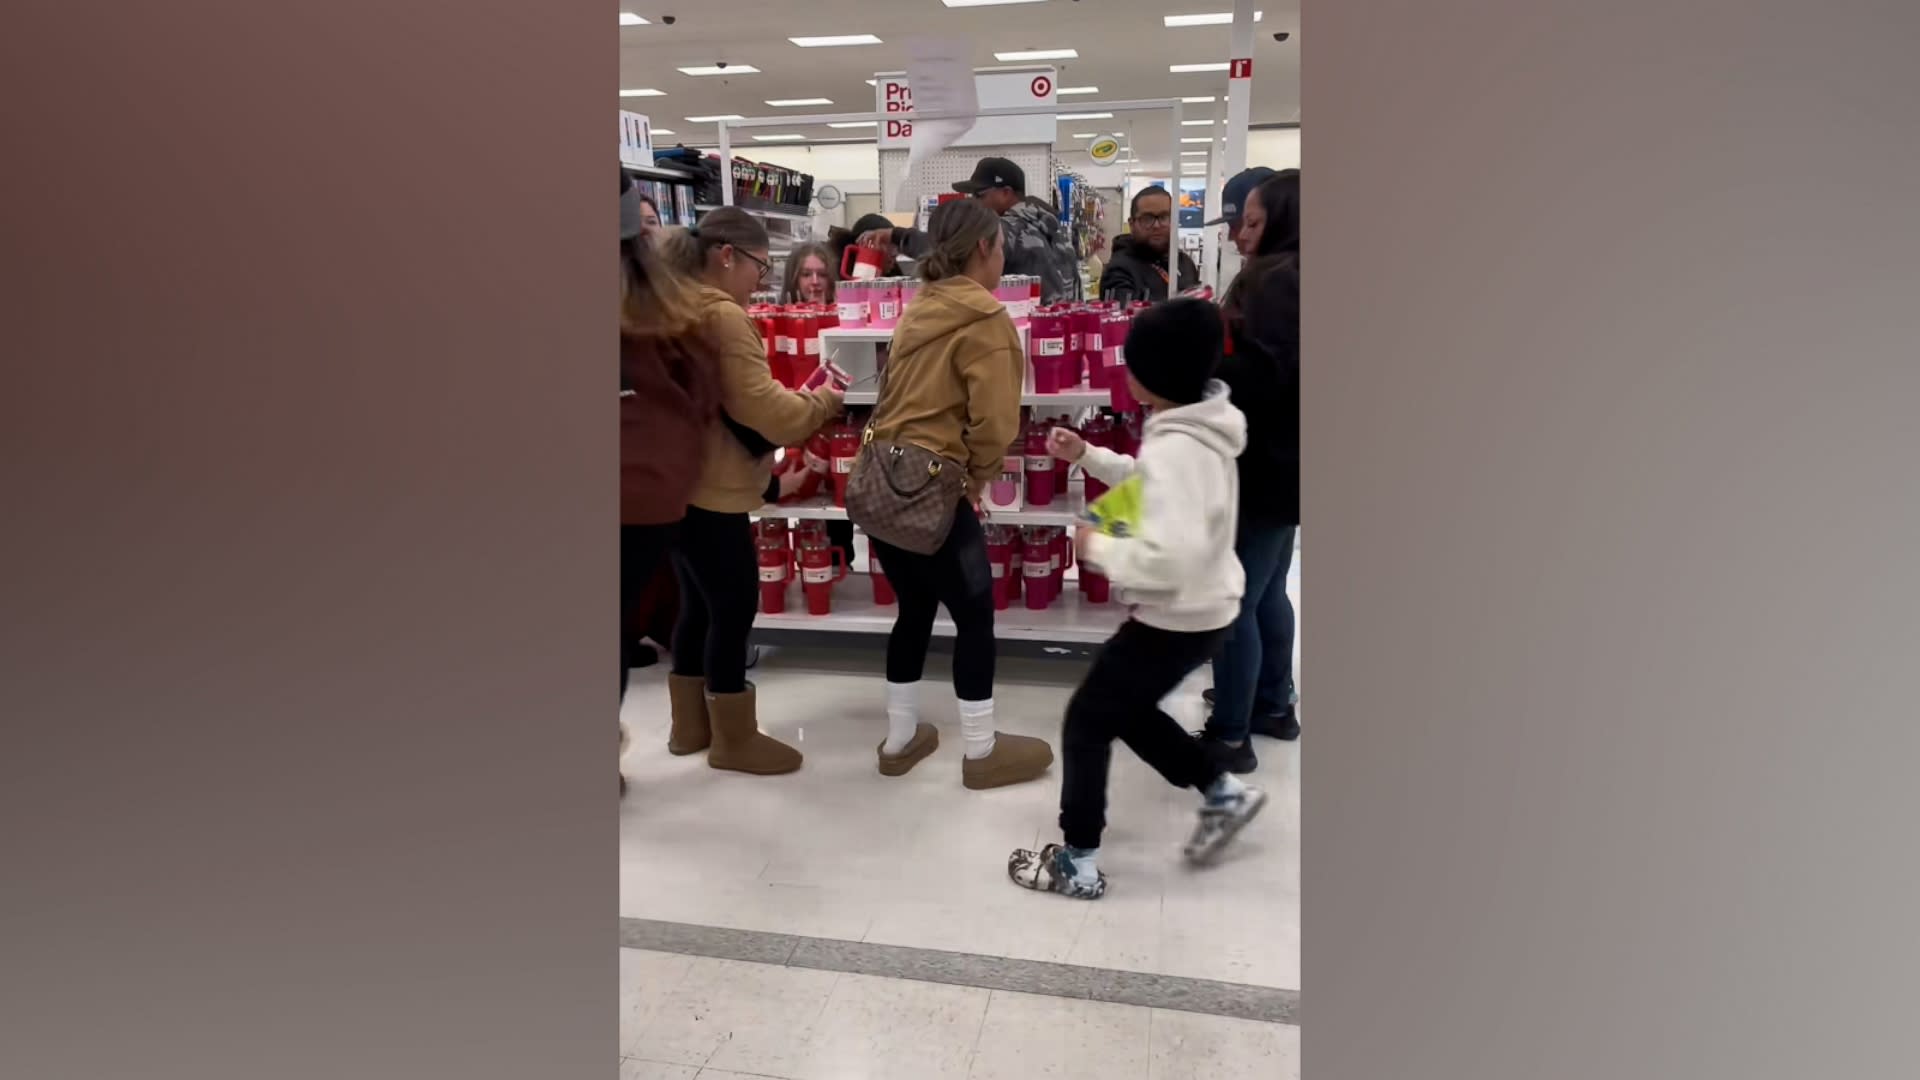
(1042, 86)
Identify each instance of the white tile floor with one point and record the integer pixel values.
(838, 851)
(685, 1017)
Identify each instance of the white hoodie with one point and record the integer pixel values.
(1178, 570)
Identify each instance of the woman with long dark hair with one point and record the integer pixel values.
(668, 395)
(713, 705)
(1253, 675)
(952, 387)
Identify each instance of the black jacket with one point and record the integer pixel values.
(1136, 273)
(1263, 313)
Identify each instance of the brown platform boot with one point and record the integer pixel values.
(691, 731)
(1014, 759)
(737, 741)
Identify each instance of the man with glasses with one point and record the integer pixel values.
(1037, 243)
(1141, 268)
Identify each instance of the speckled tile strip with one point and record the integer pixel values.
(1148, 990)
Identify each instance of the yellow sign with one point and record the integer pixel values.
(1103, 150)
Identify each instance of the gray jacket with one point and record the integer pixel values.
(1037, 244)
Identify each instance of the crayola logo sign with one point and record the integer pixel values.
(1103, 150)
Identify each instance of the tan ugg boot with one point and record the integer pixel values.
(687, 698)
(1014, 759)
(926, 739)
(737, 741)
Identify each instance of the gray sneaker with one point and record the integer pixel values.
(1220, 821)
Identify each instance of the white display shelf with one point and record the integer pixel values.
(1070, 619)
(659, 172)
(856, 333)
(1066, 399)
(757, 212)
(1064, 511)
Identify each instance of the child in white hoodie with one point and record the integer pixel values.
(1177, 571)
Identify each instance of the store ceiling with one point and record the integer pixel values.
(1125, 49)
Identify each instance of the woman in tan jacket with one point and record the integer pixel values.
(952, 386)
(712, 702)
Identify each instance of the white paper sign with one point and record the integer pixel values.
(938, 67)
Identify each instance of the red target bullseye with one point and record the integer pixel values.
(1042, 86)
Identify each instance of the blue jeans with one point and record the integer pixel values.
(1254, 670)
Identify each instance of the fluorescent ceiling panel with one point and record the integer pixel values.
(788, 103)
(834, 41)
(1182, 69)
(1037, 54)
(1212, 18)
(730, 69)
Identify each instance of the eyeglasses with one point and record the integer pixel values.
(765, 266)
(1153, 220)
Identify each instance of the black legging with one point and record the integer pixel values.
(641, 549)
(1120, 699)
(719, 595)
(957, 576)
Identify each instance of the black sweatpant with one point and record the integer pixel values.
(641, 549)
(1120, 698)
(957, 576)
(719, 595)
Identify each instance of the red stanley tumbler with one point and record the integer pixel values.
(776, 569)
(1036, 562)
(1000, 561)
(843, 445)
(821, 565)
(1039, 467)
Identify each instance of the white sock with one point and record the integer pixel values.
(1084, 869)
(1226, 788)
(976, 727)
(903, 715)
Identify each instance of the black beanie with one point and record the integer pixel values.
(1174, 349)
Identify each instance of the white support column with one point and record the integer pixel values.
(726, 164)
(1212, 240)
(1239, 114)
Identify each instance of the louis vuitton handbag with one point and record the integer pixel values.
(903, 494)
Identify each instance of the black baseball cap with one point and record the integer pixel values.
(1233, 196)
(993, 172)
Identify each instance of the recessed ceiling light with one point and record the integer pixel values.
(1086, 134)
(1193, 153)
(873, 82)
(1215, 18)
(1196, 140)
(730, 69)
(1180, 69)
(855, 124)
(1196, 123)
(713, 119)
(985, 3)
(1069, 91)
(628, 18)
(646, 92)
(778, 138)
(832, 40)
(663, 131)
(1086, 116)
(1037, 54)
(788, 103)
(1203, 99)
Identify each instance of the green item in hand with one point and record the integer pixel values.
(1118, 512)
